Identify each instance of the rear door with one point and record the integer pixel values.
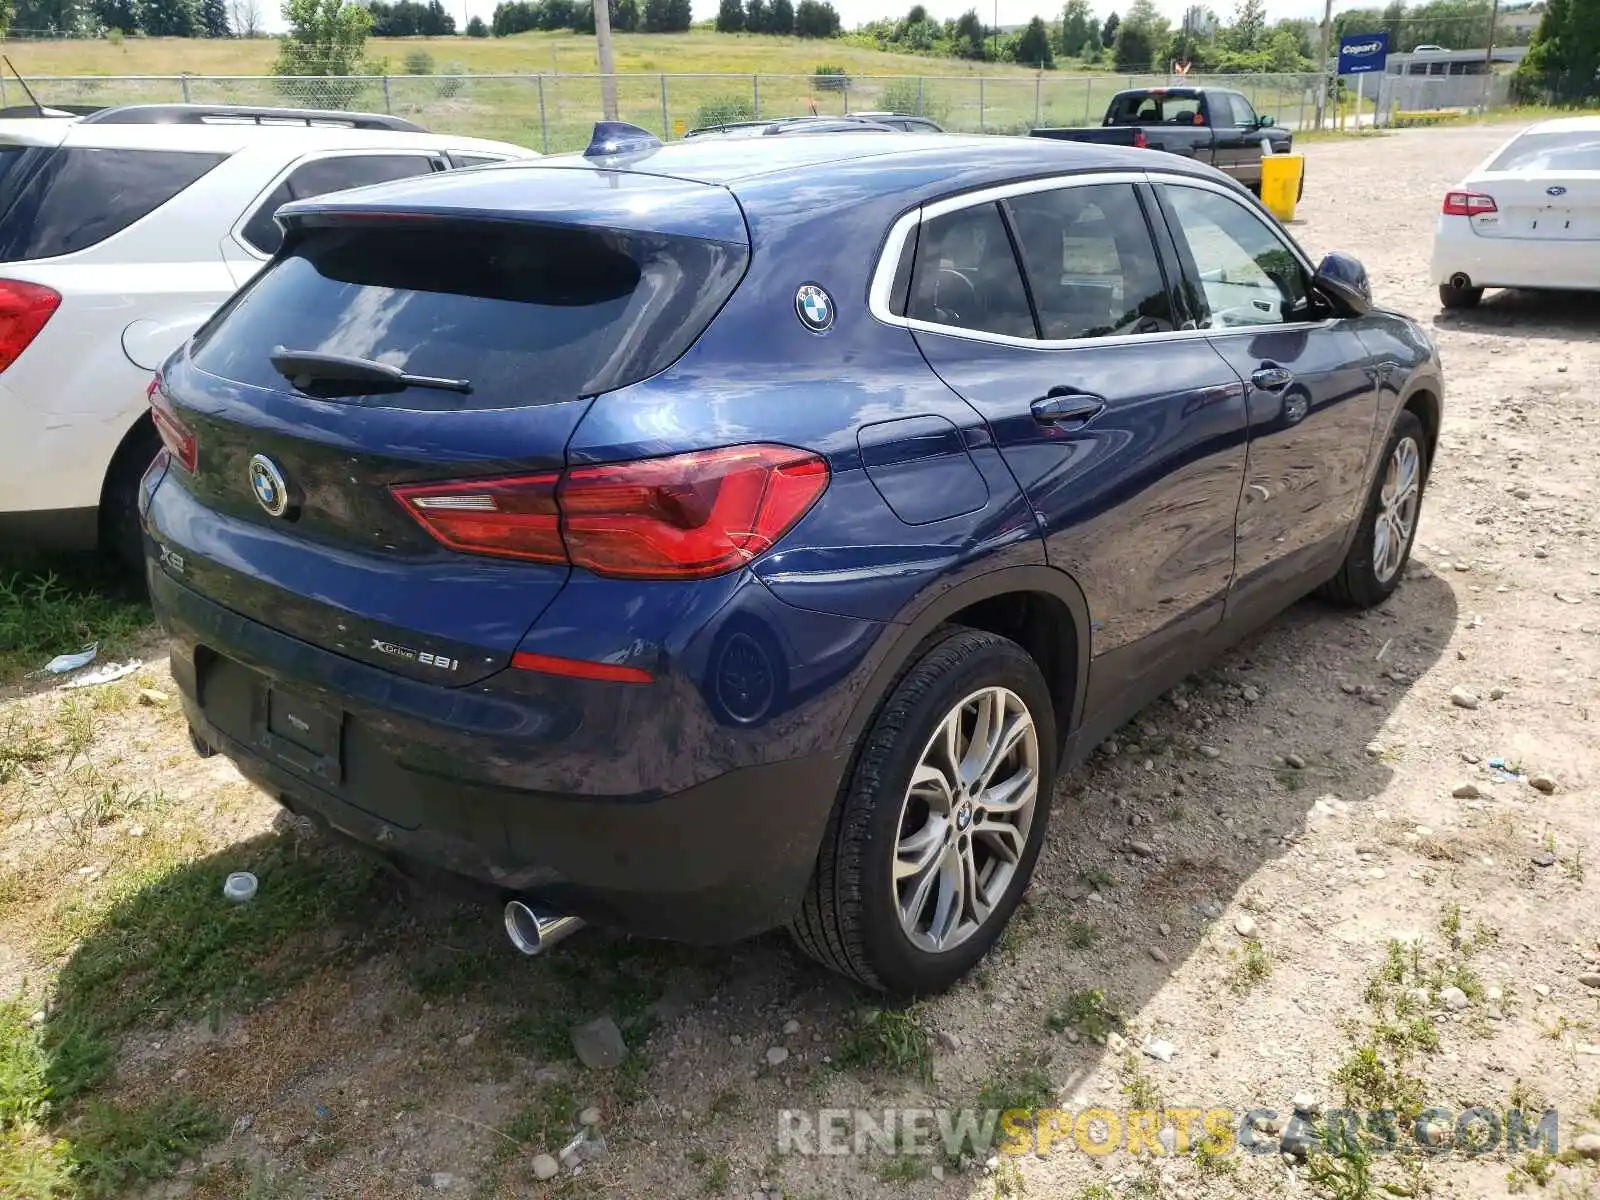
(289, 516)
(1238, 139)
(1126, 433)
(1313, 399)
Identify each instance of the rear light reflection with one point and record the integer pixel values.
(175, 435)
(578, 668)
(687, 516)
(1468, 204)
(24, 309)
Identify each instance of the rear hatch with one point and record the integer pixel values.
(514, 300)
(1546, 187)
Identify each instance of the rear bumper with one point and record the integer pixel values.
(1513, 262)
(722, 859)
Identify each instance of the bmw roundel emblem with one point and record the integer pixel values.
(266, 481)
(815, 308)
(1558, 190)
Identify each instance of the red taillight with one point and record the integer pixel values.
(1468, 204)
(688, 516)
(509, 518)
(24, 309)
(1140, 142)
(175, 435)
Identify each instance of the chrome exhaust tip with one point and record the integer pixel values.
(1460, 280)
(533, 929)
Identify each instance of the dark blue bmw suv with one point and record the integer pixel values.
(707, 538)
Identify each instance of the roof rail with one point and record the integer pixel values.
(241, 114)
(50, 111)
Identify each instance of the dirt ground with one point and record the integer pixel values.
(1228, 876)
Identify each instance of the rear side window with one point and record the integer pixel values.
(1153, 109)
(966, 275)
(528, 314)
(1551, 152)
(1091, 262)
(321, 176)
(56, 201)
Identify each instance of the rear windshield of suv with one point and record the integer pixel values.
(55, 201)
(528, 314)
(1551, 152)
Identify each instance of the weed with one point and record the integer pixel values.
(888, 1039)
(1089, 1013)
(728, 1102)
(21, 746)
(1081, 935)
(1289, 779)
(1096, 1191)
(719, 1173)
(1022, 1085)
(1372, 1079)
(1139, 1088)
(119, 1150)
(545, 1122)
(1572, 866)
(1450, 925)
(1098, 878)
(1536, 1167)
(48, 607)
(1008, 1182)
(1212, 1160)
(903, 1168)
(1252, 966)
(1526, 1096)
(1344, 1173)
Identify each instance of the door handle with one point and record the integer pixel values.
(1272, 379)
(1065, 406)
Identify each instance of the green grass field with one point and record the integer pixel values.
(531, 89)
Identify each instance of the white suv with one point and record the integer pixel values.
(120, 232)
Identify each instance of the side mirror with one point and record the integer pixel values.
(1265, 122)
(1343, 280)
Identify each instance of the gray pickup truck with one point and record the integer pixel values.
(1213, 125)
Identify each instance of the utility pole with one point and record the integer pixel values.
(608, 64)
(1322, 60)
(1488, 57)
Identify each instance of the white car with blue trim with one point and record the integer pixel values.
(1528, 217)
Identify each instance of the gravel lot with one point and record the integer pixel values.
(1228, 877)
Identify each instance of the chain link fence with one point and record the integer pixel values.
(555, 113)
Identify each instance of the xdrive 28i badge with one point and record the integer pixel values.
(815, 307)
(266, 481)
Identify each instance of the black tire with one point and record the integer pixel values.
(120, 532)
(849, 920)
(1459, 297)
(1357, 584)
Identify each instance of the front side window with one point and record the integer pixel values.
(1092, 265)
(966, 275)
(1247, 274)
(1243, 115)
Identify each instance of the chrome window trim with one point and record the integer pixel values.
(882, 284)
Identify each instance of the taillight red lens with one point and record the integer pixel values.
(1140, 142)
(509, 518)
(1468, 204)
(687, 516)
(24, 309)
(175, 435)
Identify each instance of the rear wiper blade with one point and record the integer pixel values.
(329, 374)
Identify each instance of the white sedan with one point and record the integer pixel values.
(1528, 217)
